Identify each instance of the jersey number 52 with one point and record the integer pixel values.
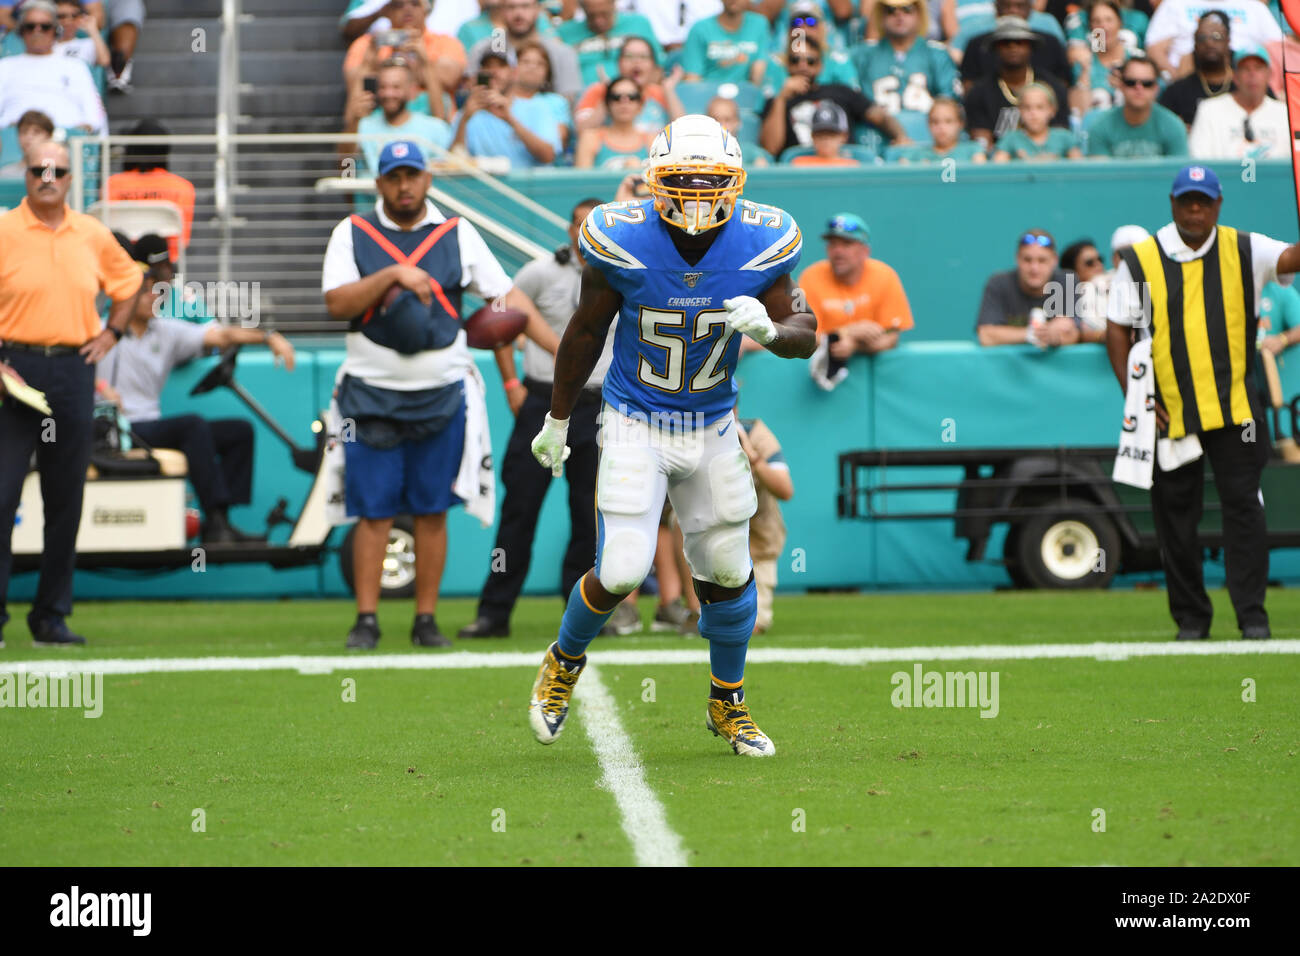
(673, 374)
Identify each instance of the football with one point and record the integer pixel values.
(490, 328)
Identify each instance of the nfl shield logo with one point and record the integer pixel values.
(690, 278)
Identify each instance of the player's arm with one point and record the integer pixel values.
(354, 298)
(796, 329)
(583, 340)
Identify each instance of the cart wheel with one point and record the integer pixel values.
(398, 578)
(1010, 552)
(1075, 545)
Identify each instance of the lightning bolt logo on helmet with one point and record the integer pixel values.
(695, 174)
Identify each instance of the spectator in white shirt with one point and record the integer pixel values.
(1169, 38)
(1245, 122)
(673, 20)
(37, 79)
(90, 49)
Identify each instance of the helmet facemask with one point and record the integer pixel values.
(695, 197)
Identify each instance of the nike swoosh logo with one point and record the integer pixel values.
(723, 429)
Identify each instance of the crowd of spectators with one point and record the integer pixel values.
(580, 82)
(58, 60)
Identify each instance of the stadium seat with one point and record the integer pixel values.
(750, 124)
(137, 217)
(695, 96)
(863, 154)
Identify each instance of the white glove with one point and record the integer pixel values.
(549, 446)
(819, 365)
(746, 314)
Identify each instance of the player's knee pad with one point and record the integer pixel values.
(624, 560)
(720, 554)
(732, 484)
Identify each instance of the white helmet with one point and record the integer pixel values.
(695, 173)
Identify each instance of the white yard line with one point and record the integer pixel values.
(629, 657)
(642, 815)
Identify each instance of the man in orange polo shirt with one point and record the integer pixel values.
(53, 262)
(859, 299)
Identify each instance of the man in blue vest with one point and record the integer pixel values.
(397, 274)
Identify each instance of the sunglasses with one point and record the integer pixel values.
(803, 22)
(842, 225)
(40, 172)
(910, 8)
(35, 27)
(1029, 239)
(1091, 261)
(809, 60)
(630, 97)
(1209, 37)
(1145, 84)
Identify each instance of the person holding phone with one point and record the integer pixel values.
(437, 59)
(496, 122)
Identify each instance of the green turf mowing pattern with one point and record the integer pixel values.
(408, 774)
(412, 771)
(1186, 772)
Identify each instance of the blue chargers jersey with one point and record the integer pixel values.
(674, 353)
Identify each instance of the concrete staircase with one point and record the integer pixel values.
(291, 57)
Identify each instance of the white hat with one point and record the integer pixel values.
(1126, 236)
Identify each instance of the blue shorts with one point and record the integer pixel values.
(413, 477)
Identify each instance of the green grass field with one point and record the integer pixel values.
(438, 766)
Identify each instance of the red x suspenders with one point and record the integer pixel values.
(416, 255)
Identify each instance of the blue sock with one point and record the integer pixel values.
(727, 625)
(581, 623)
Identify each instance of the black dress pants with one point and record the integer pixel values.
(525, 484)
(219, 453)
(1177, 502)
(62, 443)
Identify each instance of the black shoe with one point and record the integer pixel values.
(1192, 634)
(364, 635)
(425, 633)
(1258, 632)
(484, 627)
(54, 633)
(219, 530)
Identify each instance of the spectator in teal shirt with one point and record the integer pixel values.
(727, 48)
(1035, 140)
(1141, 128)
(599, 38)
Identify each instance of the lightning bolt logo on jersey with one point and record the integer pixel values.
(674, 353)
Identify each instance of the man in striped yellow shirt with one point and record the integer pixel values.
(1194, 288)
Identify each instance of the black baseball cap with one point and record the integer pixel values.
(152, 250)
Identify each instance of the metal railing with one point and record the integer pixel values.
(266, 203)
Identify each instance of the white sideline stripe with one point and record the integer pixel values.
(462, 660)
(641, 813)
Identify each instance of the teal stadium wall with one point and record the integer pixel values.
(944, 239)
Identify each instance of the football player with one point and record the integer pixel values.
(684, 272)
